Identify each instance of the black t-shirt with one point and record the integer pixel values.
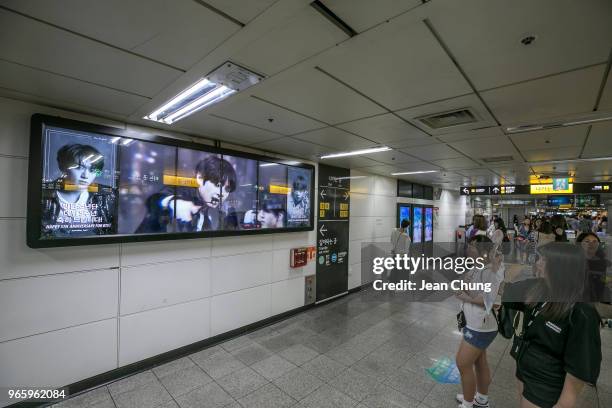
(571, 344)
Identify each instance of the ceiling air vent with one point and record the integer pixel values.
(497, 159)
(448, 119)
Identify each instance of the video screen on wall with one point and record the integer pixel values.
(89, 184)
(417, 224)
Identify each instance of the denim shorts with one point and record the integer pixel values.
(480, 340)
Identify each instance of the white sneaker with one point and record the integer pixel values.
(477, 404)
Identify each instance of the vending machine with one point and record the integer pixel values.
(403, 213)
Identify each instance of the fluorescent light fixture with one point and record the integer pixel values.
(268, 164)
(357, 152)
(350, 178)
(579, 120)
(593, 159)
(414, 172)
(224, 81)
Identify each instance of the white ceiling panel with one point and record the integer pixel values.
(178, 33)
(482, 116)
(292, 147)
(455, 164)
(383, 128)
(594, 169)
(487, 148)
(297, 38)
(335, 139)
(31, 43)
(383, 170)
(482, 171)
(223, 130)
(571, 92)
(491, 132)
(416, 166)
(351, 162)
(433, 152)
(310, 92)
(484, 36)
(411, 142)
(550, 138)
(252, 111)
(398, 64)
(606, 96)
(363, 14)
(67, 92)
(242, 10)
(562, 153)
(392, 157)
(599, 143)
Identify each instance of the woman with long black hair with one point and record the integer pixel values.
(559, 349)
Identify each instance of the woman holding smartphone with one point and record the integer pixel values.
(480, 327)
(559, 349)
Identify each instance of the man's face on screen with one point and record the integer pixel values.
(212, 193)
(80, 175)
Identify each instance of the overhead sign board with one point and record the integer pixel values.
(492, 190)
(550, 189)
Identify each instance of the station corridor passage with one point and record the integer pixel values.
(363, 350)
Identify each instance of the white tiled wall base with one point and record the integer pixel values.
(155, 331)
(60, 357)
(67, 314)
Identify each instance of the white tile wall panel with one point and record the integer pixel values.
(360, 205)
(361, 227)
(232, 310)
(146, 334)
(151, 286)
(60, 357)
(281, 269)
(231, 273)
(294, 239)
(37, 305)
(287, 295)
(240, 245)
(355, 250)
(383, 205)
(14, 127)
(138, 253)
(13, 181)
(361, 185)
(385, 186)
(383, 226)
(19, 261)
(354, 276)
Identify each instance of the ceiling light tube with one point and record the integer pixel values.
(414, 172)
(200, 103)
(180, 97)
(357, 152)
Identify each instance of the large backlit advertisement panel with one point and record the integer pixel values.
(90, 184)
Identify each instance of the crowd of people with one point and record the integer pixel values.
(556, 340)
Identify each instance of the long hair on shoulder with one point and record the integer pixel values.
(564, 277)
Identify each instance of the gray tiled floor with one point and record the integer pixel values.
(361, 351)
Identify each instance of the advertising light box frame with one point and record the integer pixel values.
(40, 122)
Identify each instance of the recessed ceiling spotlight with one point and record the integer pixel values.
(528, 39)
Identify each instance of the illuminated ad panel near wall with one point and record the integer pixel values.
(90, 184)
